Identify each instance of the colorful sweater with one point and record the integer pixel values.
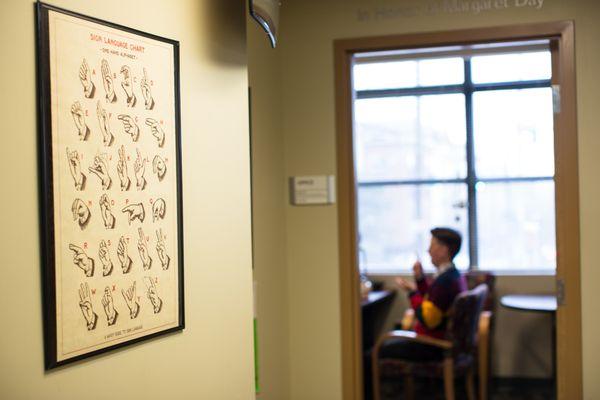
(432, 300)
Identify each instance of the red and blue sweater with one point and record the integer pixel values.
(432, 300)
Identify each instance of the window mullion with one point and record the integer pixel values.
(471, 176)
(409, 182)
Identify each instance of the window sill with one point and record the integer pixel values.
(498, 272)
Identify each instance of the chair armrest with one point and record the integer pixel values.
(483, 350)
(484, 324)
(410, 336)
(413, 337)
(408, 319)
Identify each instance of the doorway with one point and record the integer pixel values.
(557, 39)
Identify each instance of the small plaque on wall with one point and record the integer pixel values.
(312, 190)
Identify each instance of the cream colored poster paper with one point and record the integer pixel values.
(114, 177)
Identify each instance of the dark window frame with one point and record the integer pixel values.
(467, 88)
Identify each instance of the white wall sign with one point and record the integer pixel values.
(312, 190)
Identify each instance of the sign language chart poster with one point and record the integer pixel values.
(111, 178)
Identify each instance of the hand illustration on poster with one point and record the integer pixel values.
(79, 118)
(107, 80)
(161, 249)
(81, 260)
(127, 85)
(158, 209)
(103, 120)
(157, 131)
(143, 250)
(147, 92)
(139, 167)
(87, 309)
(100, 169)
(85, 76)
(75, 169)
(123, 255)
(109, 307)
(134, 211)
(81, 213)
(104, 256)
(105, 211)
(159, 167)
(122, 170)
(152, 295)
(129, 126)
(130, 297)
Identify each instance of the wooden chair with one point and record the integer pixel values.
(486, 324)
(459, 348)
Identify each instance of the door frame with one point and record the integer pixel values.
(568, 317)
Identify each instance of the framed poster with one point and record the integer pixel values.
(110, 149)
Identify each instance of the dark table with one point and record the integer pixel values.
(540, 303)
(374, 311)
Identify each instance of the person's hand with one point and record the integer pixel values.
(104, 256)
(152, 294)
(134, 211)
(405, 285)
(85, 303)
(418, 270)
(75, 169)
(122, 170)
(130, 126)
(100, 168)
(127, 85)
(139, 168)
(131, 301)
(103, 120)
(146, 92)
(161, 249)
(158, 210)
(157, 131)
(79, 119)
(109, 307)
(81, 213)
(82, 260)
(85, 77)
(143, 250)
(107, 216)
(159, 167)
(124, 258)
(107, 80)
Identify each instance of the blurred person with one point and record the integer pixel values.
(430, 298)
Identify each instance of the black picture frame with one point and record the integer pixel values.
(47, 189)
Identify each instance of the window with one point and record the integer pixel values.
(460, 137)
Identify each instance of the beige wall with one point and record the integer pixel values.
(308, 28)
(212, 358)
(269, 190)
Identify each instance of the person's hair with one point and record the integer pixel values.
(449, 237)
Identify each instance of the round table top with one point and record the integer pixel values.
(530, 302)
